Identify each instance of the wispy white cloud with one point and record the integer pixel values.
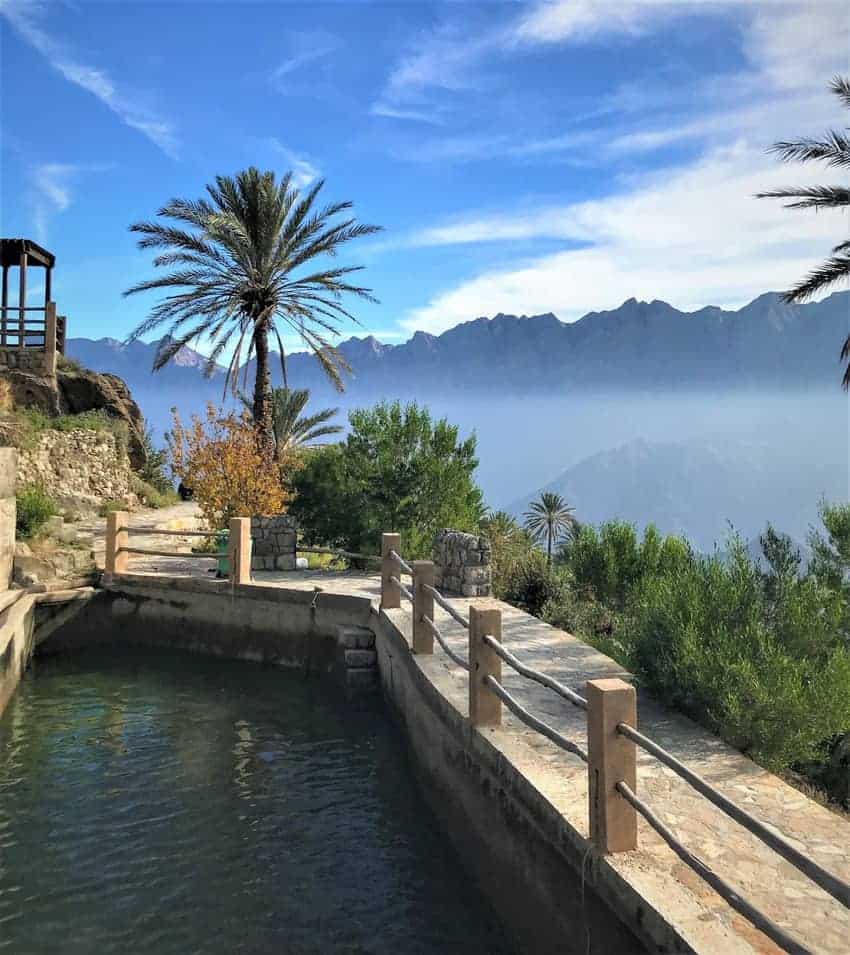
(51, 193)
(26, 17)
(304, 171)
(301, 49)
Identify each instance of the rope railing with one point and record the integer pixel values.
(435, 630)
(535, 675)
(402, 588)
(838, 889)
(336, 552)
(401, 562)
(613, 805)
(764, 924)
(530, 720)
(450, 610)
(118, 549)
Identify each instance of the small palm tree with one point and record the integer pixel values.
(291, 430)
(549, 519)
(834, 150)
(241, 266)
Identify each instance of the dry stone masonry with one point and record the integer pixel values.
(80, 469)
(273, 543)
(462, 563)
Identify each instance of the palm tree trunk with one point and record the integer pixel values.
(549, 546)
(262, 387)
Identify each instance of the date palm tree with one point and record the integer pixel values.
(549, 519)
(292, 429)
(240, 269)
(834, 150)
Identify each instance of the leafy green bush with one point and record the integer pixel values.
(770, 675)
(533, 584)
(151, 496)
(33, 507)
(153, 473)
(397, 470)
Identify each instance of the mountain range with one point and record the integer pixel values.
(648, 346)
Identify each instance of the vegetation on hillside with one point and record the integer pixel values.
(758, 650)
(549, 519)
(241, 268)
(834, 150)
(33, 507)
(397, 470)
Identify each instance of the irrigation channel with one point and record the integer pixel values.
(156, 801)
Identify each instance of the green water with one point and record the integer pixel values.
(166, 803)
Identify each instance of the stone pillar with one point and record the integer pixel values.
(485, 708)
(390, 567)
(8, 471)
(610, 758)
(423, 606)
(273, 542)
(462, 563)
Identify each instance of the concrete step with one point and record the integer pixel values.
(361, 678)
(360, 658)
(355, 638)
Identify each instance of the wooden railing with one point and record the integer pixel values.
(612, 738)
(119, 551)
(34, 326)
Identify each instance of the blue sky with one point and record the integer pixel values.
(522, 158)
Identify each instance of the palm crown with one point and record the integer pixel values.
(549, 519)
(834, 150)
(240, 265)
(291, 428)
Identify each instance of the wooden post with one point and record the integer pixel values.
(240, 550)
(390, 567)
(116, 539)
(22, 302)
(50, 338)
(423, 606)
(610, 758)
(48, 284)
(485, 708)
(4, 298)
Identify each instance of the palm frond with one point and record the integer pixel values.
(834, 269)
(834, 148)
(810, 197)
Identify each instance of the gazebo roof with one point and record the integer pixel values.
(12, 249)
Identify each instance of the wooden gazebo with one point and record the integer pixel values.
(24, 326)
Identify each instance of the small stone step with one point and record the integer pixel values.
(355, 637)
(361, 678)
(360, 658)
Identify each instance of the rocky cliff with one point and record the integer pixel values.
(76, 390)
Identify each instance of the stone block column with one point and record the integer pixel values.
(274, 542)
(462, 563)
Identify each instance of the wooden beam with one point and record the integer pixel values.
(5, 305)
(22, 301)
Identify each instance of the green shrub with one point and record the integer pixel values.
(772, 676)
(153, 472)
(33, 507)
(107, 507)
(152, 496)
(533, 585)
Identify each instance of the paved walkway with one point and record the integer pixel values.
(761, 876)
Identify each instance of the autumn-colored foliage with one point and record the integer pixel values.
(231, 471)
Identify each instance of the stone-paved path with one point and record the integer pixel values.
(762, 877)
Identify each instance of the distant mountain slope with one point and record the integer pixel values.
(648, 346)
(699, 489)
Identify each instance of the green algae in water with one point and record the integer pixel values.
(169, 803)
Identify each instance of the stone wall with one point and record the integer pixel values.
(8, 470)
(80, 469)
(462, 563)
(273, 542)
(33, 361)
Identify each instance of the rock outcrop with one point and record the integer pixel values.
(76, 390)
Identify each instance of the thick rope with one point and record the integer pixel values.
(429, 623)
(535, 675)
